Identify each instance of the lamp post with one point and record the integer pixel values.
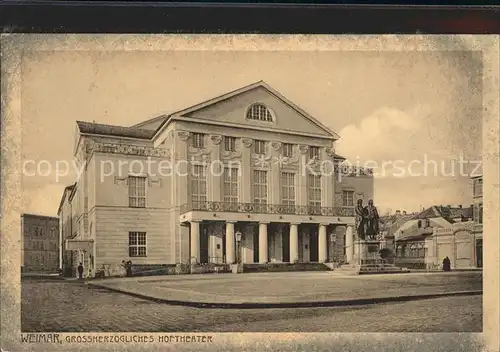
(237, 236)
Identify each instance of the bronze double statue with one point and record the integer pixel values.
(367, 221)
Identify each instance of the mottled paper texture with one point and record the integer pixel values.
(26, 51)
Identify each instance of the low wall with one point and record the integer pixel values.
(458, 243)
(411, 263)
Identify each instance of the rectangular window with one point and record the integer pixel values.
(137, 191)
(198, 140)
(199, 184)
(230, 180)
(259, 147)
(314, 193)
(348, 198)
(229, 144)
(137, 244)
(314, 152)
(288, 191)
(259, 189)
(287, 150)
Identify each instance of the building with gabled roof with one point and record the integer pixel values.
(236, 178)
(426, 238)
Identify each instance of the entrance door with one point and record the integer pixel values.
(256, 247)
(313, 245)
(479, 253)
(203, 245)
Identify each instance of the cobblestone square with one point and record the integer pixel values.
(70, 306)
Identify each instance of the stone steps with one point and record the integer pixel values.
(281, 267)
(371, 269)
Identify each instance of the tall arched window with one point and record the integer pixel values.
(259, 112)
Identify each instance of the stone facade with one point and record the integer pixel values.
(40, 243)
(189, 208)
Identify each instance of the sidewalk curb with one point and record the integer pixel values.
(311, 304)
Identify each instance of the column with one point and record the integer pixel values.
(322, 244)
(294, 242)
(263, 255)
(230, 242)
(349, 241)
(195, 242)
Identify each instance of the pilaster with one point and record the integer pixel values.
(215, 171)
(245, 172)
(181, 168)
(275, 185)
(302, 176)
(327, 187)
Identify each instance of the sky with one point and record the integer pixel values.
(386, 106)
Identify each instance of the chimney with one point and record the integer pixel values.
(404, 212)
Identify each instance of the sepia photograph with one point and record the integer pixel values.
(199, 188)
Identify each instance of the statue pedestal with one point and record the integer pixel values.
(366, 252)
(366, 260)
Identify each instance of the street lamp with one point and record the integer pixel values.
(237, 236)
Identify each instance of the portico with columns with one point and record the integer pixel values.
(265, 242)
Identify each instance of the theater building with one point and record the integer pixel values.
(245, 177)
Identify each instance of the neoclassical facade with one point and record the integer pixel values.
(247, 176)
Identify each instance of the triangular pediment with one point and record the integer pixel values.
(232, 108)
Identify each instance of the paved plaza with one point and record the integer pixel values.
(291, 287)
(69, 306)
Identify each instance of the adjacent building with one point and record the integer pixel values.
(423, 240)
(40, 243)
(247, 176)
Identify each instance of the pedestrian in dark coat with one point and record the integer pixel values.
(446, 264)
(80, 271)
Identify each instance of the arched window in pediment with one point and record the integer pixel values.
(259, 112)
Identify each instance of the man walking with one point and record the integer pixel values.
(80, 271)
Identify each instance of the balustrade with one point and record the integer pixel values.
(258, 208)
